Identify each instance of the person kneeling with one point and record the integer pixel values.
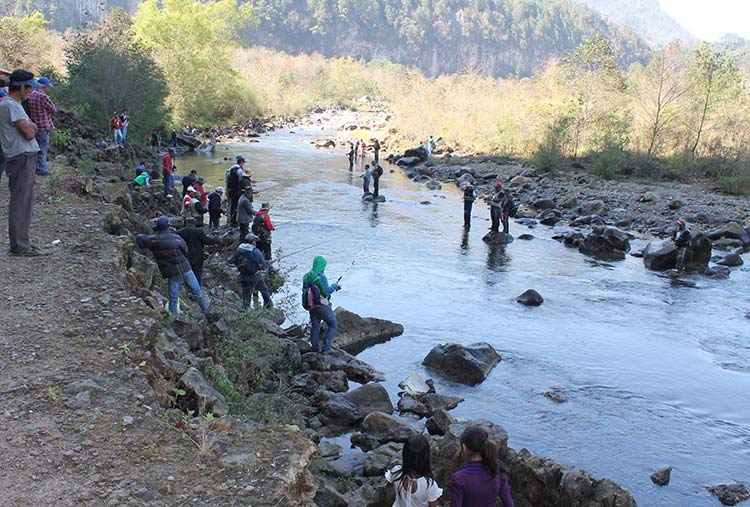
(250, 262)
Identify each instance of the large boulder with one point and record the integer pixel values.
(338, 360)
(730, 494)
(370, 397)
(408, 161)
(497, 238)
(594, 207)
(356, 333)
(200, 396)
(467, 364)
(661, 254)
(379, 428)
(731, 230)
(530, 298)
(425, 405)
(417, 152)
(606, 243)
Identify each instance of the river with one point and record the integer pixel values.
(655, 375)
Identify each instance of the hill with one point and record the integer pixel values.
(492, 37)
(645, 17)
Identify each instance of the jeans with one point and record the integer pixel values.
(117, 136)
(42, 137)
(233, 203)
(174, 283)
(680, 263)
(467, 213)
(323, 313)
(244, 230)
(248, 288)
(366, 186)
(124, 133)
(167, 184)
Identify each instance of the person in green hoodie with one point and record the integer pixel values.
(322, 310)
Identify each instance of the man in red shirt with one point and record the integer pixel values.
(167, 166)
(41, 109)
(115, 123)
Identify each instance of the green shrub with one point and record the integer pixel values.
(60, 138)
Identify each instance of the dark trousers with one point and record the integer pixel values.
(265, 248)
(506, 222)
(467, 213)
(376, 184)
(377, 156)
(351, 164)
(248, 288)
(233, 201)
(244, 230)
(214, 218)
(495, 217)
(21, 181)
(680, 263)
(198, 270)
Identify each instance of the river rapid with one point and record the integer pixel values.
(654, 375)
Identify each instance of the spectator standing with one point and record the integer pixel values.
(41, 109)
(214, 207)
(20, 147)
(125, 121)
(167, 167)
(115, 123)
(2, 158)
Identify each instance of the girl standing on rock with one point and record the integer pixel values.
(483, 478)
(413, 480)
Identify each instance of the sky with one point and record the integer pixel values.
(711, 19)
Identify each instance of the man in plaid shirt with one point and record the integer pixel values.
(41, 109)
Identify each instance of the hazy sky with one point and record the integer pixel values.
(710, 19)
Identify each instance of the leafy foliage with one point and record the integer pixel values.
(108, 71)
(22, 41)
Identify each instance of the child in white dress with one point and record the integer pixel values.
(413, 480)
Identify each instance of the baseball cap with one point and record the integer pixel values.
(162, 224)
(220, 190)
(172, 150)
(240, 159)
(44, 81)
(251, 237)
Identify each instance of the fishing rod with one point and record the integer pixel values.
(300, 250)
(359, 254)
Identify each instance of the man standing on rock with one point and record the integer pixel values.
(170, 253)
(506, 207)
(495, 201)
(41, 109)
(20, 147)
(366, 179)
(262, 228)
(681, 238)
(196, 239)
(245, 211)
(214, 207)
(315, 282)
(232, 182)
(377, 172)
(167, 168)
(250, 262)
(470, 195)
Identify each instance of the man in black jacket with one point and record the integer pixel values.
(214, 207)
(196, 239)
(187, 181)
(681, 238)
(233, 188)
(170, 253)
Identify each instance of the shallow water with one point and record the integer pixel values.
(654, 375)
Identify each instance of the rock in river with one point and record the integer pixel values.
(606, 243)
(661, 477)
(370, 397)
(730, 494)
(467, 364)
(356, 333)
(661, 255)
(497, 238)
(732, 260)
(530, 298)
(731, 230)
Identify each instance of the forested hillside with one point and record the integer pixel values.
(645, 17)
(492, 37)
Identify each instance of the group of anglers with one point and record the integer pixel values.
(501, 204)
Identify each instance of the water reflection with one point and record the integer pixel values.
(497, 257)
(465, 240)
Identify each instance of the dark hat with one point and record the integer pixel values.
(240, 159)
(161, 224)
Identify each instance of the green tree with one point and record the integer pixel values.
(22, 41)
(108, 71)
(193, 42)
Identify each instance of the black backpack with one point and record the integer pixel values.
(245, 263)
(378, 171)
(310, 296)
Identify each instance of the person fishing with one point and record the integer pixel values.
(263, 227)
(495, 200)
(681, 238)
(170, 253)
(350, 154)
(377, 172)
(412, 479)
(250, 264)
(245, 211)
(483, 479)
(506, 209)
(316, 299)
(234, 192)
(366, 176)
(214, 207)
(470, 195)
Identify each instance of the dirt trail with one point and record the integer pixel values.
(79, 425)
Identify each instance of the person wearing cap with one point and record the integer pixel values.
(170, 253)
(167, 168)
(681, 238)
(41, 109)
(188, 180)
(143, 179)
(263, 227)
(20, 148)
(245, 211)
(202, 195)
(250, 262)
(470, 195)
(214, 207)
(196, 239)
(506, 208)
(232, 183)
(496, 212)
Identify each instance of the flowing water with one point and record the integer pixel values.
(655, 375)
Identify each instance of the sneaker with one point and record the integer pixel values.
(169, 196)
(32, 251)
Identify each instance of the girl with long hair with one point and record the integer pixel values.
(413, 481)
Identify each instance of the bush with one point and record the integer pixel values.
(550, 152)
(736, 185)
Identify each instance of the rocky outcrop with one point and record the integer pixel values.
(356, 333)
(467, 364)
(730, 230)
(497, 238)
(606, 243)
(369, 398)
(338, 360)
(200, 396)
(661, 255)
(530, 298)
(730, 494)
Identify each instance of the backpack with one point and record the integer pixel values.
(259, 227)
(233, 179)
(246, 263)
(378, 171)
(310, 296)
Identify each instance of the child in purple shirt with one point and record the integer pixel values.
(483, 478)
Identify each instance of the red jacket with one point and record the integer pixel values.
(167, 164)
(204, 196)
(266, 219)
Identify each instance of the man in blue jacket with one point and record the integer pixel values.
(170, 253)
(250, 263)
(322, 311)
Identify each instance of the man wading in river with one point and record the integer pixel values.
(470, 195)
(316, 295)
(681, 238)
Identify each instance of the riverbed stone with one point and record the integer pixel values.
(594, 207)
(200, 396)
(731, 230)
(661, 255)
(730, 494)
(731, 260)
(543, 204)
(370, 397)
(379, 428)
(497, 238)
(339, 360)
(661, 477)
(467, 364)
(440, 422)
(355, 333)
(415, 385)
(425, 405)
(530, 298)
(606, 243)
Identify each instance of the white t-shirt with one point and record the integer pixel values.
(427, 491)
